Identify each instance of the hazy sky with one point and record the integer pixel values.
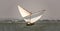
(8, 8)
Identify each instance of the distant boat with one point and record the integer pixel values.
(29, 21)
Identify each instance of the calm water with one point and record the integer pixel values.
(23, 27)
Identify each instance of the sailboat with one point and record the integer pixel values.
(28, 16)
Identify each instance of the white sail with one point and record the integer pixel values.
(32, 20)
(23, 12)
(35, 19)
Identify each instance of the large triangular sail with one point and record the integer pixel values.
(35, 19)
(32, 20)
(23, 12)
